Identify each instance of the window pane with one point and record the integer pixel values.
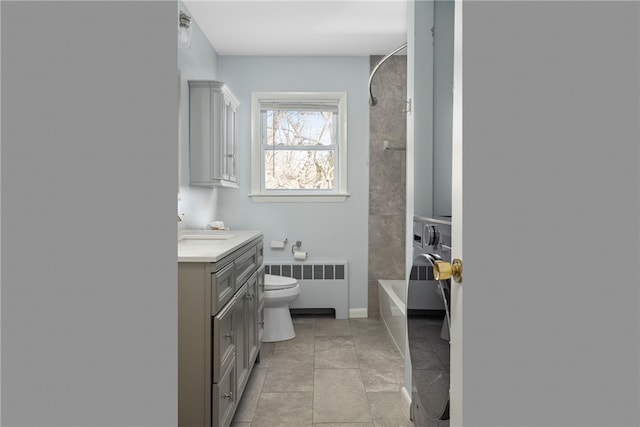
(288, 127)
(299, 170)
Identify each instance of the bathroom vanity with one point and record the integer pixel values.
(220, 322)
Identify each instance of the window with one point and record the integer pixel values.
(299, 146)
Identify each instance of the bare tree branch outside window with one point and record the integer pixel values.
(300, 151)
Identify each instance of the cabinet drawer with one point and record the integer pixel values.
(222, 287)
(245, 265)
(224, 341)
(224, 399)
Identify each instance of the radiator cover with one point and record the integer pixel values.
(322, 284)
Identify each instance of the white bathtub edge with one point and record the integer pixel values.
(358, 313)
(406, 399)
(388, 299)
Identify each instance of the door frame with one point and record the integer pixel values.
(456, 224)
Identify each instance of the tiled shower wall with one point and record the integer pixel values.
(387, 175)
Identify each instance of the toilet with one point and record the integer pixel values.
(279, 291)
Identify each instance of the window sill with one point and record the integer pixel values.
(299, 198)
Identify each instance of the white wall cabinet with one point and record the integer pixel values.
(212, 134)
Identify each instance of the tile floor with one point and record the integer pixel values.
(335, 373)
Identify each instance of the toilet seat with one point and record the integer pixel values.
(274, 283)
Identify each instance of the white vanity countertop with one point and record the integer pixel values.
(211, 246)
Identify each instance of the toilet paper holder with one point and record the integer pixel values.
(296, 247)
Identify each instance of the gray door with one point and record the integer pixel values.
(546, 214)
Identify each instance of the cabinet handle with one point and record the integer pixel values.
(229, 334)
(228, 395)
(261, 323)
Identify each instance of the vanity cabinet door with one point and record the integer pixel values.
(260, 308)
(224, 339)
(252, 319)
(260, 288)
(224, 399)
(242, 349)
(260, 321)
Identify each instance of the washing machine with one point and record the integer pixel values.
(428, 303)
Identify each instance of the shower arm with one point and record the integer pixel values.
(372, 99)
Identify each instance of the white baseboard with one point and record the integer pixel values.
(358, 313)
(406, 399)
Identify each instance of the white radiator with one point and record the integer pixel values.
(323, 284)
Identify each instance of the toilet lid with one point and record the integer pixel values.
(272, 283)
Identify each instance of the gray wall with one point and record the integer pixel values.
(197, 62)
(329, 231)
(89, 177)
(387, 175)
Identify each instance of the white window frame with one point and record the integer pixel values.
(258, 192)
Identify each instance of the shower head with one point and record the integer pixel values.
(373, 101)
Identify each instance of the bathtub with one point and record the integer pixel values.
(391, 296)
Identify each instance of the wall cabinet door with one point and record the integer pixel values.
(212, 134)
(230, 141)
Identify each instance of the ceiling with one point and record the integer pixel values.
(302, 27)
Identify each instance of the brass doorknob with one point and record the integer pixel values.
(443, 270)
